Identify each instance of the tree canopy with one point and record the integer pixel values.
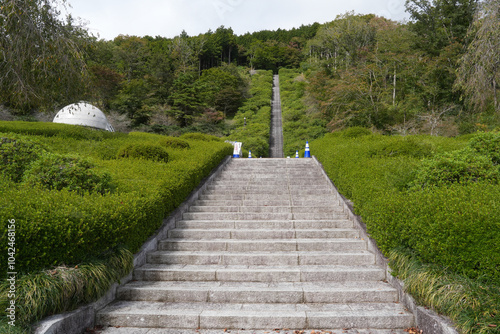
(41, 58)
(357, 70)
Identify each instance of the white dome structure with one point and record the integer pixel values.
(85, 114)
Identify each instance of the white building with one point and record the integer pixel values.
(85, 114)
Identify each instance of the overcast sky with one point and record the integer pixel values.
(167, 18)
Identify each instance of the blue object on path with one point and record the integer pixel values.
(307, 154)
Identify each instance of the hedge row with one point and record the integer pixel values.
(300, 123)
(451, 223)
(257, 111)
(55, 227)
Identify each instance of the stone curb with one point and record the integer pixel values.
(426, 320)
(79, 320)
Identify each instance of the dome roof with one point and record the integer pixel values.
(85, 114)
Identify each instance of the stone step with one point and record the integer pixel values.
(258, 292)
(263, 258)
(268, 166)
(269, 197)
(261, 216)
(265, 224)
(130, 330)
(256, 234)
(237, 216)
(270, 191)
(236, 273)
(292, 179)
(294, 182)
(280, 202)
(269, 245)
(280, 175)
(254, 316)
(269, 170)
(265, 209)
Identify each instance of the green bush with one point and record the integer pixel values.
(456, 167)
(57, 172)
(356, 132)
(16, 155)
(407, 146)
(175, 143)
(487, 144)
(64, 227)
(153, 152)
(200, 136)
(49, 129)
(453, 223)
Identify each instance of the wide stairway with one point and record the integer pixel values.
(266, 247)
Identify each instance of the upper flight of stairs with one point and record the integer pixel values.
(267, 246)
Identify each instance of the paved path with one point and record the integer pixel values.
(266, 247)
(276, 139)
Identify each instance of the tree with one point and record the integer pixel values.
(226, 40)
(440, 22)
(131, 54)
(222, 89)
(479, 71)
(338, 43)
(185, 99)
(41, 58)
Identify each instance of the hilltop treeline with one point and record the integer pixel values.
(437, 74)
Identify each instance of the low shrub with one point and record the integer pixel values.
(487, 144)
(460, 166)
(148, 151)
(446, 220)
(63, 232)
(200, 136)
(406, 146)
(64, 227)
(49, 129)
(57, 172)
(16, 155)
(356, 132)
(175, 143)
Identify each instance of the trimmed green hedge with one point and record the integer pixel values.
(300, 122)
(63, 227)
(174, 143)
(148, 151)
(257, 111)
(56, 130)
(16, 156)
(453, 224)
(53, 171)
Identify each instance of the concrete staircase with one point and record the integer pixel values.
(266, 247)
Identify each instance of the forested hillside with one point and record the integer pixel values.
(436, 74)
(431, 202)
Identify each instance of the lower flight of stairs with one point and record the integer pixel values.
(267, 246)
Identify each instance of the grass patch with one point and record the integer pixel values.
(473, 304)
(63, 288)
